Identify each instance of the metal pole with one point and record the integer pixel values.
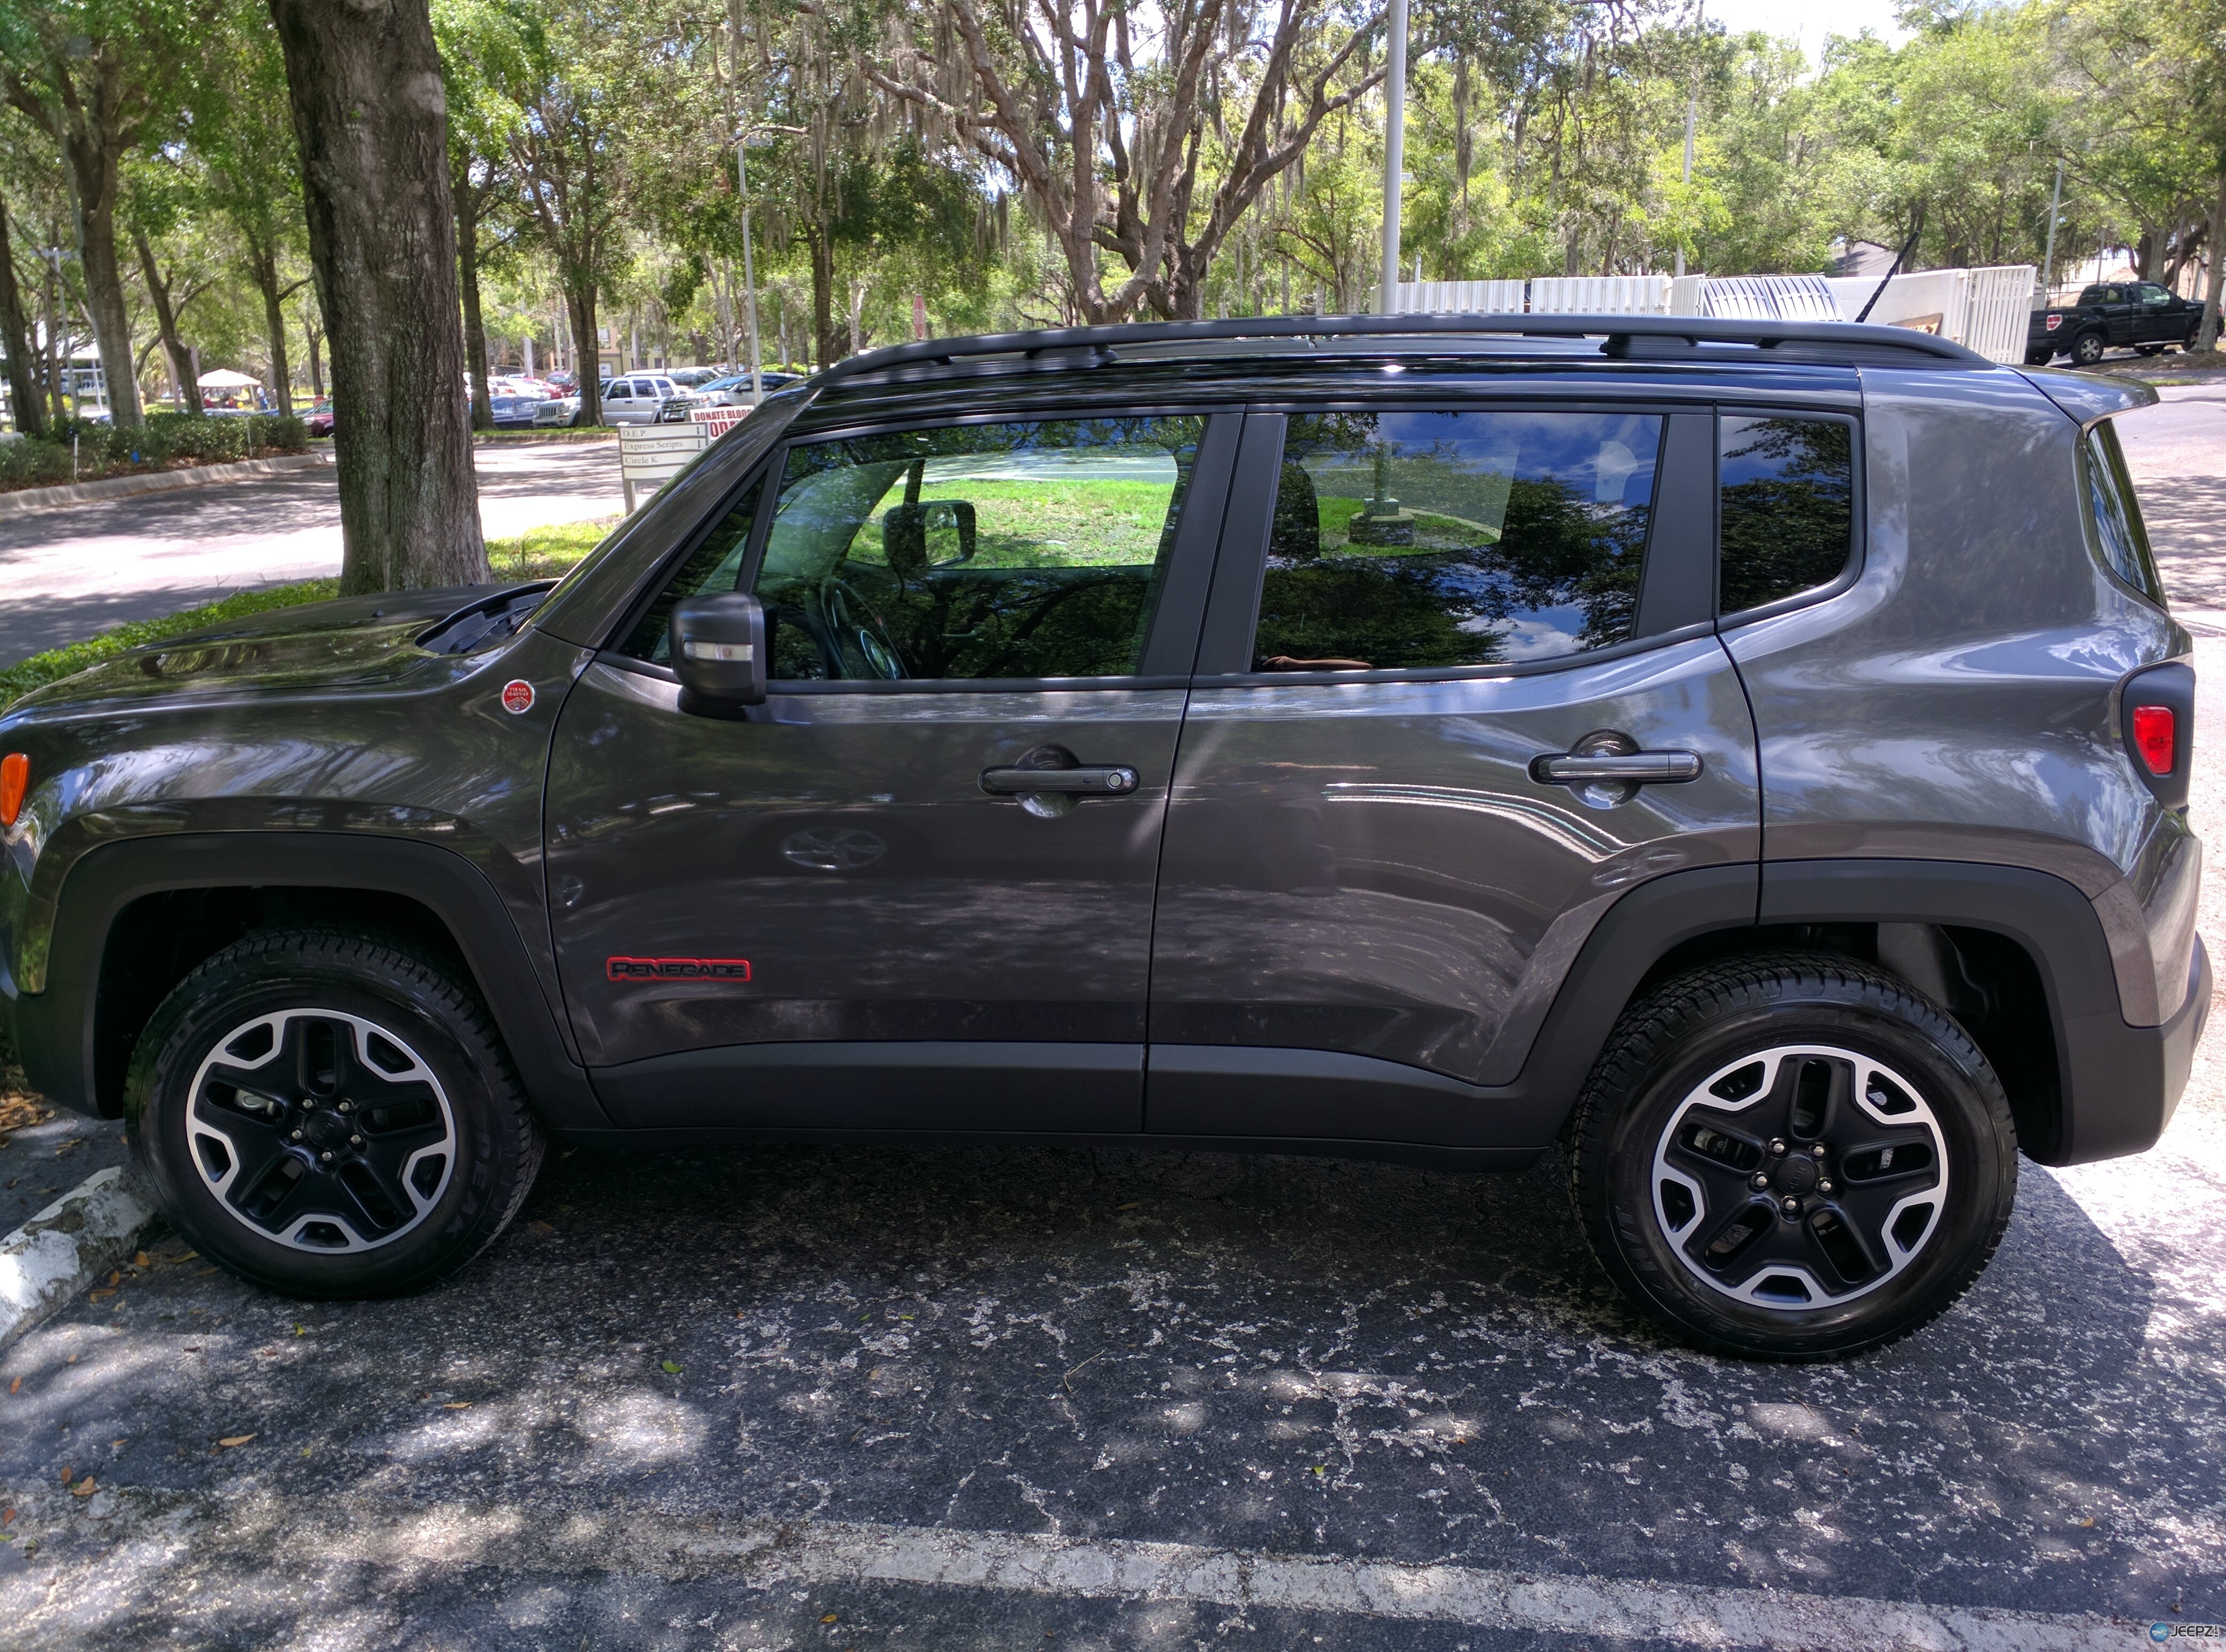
(749, 266)
(2048, 259)
(1395, 150)
(1692, 119)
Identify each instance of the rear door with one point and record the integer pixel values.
(1430, 623)
(859, 908)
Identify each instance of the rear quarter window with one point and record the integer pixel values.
(2120, 535)
(1785, 507)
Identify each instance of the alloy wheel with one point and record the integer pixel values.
(321, 1130)
(1800, 1177)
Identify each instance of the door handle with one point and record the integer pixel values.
(1104, 780)
(1617, 768)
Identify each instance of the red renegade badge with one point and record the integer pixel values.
(678, 969)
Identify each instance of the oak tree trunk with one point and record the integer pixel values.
(92, 166)
(23, 375)
(587, 364)
(364, 80)
(2207, 334)
(264, 260)
(827, 342)
(467, 276)
(181, 360)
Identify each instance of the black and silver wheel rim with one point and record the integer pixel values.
(1800, 1178)
(321, 1131)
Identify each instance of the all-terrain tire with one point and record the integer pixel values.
(260, 1069)
(1654, 1117)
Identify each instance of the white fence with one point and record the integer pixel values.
(1985, 310)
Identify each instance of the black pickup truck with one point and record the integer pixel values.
(2136, 313)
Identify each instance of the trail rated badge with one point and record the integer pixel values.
(516, 696)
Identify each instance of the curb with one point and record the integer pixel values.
(62, 1249)
(24, 500)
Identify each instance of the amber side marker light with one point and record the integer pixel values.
(15, 781)
(2156, 731)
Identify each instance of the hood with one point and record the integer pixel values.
(350, 642)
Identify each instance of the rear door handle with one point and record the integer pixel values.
(1617, 768)
(1104, 780)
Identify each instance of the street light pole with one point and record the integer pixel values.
(1395, 150)
(749, 265)
(2048, 259)
(1692, 119)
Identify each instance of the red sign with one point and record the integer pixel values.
(516, 696)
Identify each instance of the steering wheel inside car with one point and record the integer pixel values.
(854, 624)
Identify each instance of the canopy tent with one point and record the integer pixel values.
(225, 378)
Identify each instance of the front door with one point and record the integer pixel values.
(1469, 696)
(856, 909)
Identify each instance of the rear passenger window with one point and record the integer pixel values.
(1787, 509)
(1408, 540)
(2117, 513)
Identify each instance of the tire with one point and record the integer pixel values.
(2150, 349)
(330, 1114)
(1754, 1068)
(2039, 357)
(2087, 349)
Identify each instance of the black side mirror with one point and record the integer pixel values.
(719, 652)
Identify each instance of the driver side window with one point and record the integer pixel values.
(1009, 551)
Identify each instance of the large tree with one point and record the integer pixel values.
(23, 374)
(101, 78)
(364, 82)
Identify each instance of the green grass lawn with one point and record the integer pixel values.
(543, 552)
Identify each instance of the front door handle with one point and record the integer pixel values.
(1104, 780)
(1616, 768)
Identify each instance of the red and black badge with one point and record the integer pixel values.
(517, 697)
(734, 969)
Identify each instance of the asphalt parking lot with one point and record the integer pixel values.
(867, 1398)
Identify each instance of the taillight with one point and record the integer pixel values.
(2156, 735)
(2055, 322)
(15, 781)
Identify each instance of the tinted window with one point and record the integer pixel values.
(2117, 514)
(1787, 510)
(1410, 540)
(617, 393)
(993, 550)
(715, 565)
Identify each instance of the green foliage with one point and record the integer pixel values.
(167, 440)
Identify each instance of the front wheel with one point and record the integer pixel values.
(2087, 349)
(329, 1114)
(1792, 1157)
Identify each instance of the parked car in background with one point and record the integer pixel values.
(733, 389)
(558, 412)
(641, 398)
(2136, 314)
(694, 377)
(320, 419)
(515, 412)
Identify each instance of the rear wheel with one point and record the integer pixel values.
(2087, 349)
(1792, 1157)
(330, 1115)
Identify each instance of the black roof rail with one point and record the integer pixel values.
(1653, 336)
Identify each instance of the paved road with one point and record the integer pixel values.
(69, 574)
(866, 1398)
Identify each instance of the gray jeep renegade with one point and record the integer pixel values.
(1751, 757)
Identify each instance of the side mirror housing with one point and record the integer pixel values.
(718, 653)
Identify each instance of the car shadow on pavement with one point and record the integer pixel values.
(1302, 1356)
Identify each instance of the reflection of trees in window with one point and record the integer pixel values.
(1024, 607)
(1538, 554)
(1787, 507)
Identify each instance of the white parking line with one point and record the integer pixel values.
(835, 1553)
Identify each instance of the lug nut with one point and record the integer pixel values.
(326, 1159)
(1824, 1187)
(297, 1136)
(1757, 1180)
(308, 1103)
(1788, 1204)
(349, 1107)
(1816, 1152)
(357, 1142)
(1777, 1145)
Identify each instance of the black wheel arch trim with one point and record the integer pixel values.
(56, 1029)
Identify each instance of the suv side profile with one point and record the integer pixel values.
(1748, 758)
